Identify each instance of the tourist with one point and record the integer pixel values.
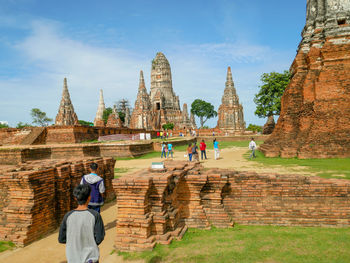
(97, 186)
(189, 152)
(252, 146)
(216, 149)
(195, 152)
(170, 150)
(202, 147)
(158, 134)
(163, 150)
(213, 133)
(82, 229)
(161, 135)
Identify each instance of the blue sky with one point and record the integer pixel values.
(104, 44)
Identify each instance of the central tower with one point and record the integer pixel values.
(162, 94)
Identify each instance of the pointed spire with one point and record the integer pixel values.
(142, 81)
(66, 114)
(99, 114)
(229, 76)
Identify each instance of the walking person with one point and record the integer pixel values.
(216, 149)
(163, 150)
(170, 150)
(161, 135)
(189, 152)
(202, 147)
(97, 186)
(195, 152)
(252, 146)
(82, 229)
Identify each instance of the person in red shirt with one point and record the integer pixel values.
(202, 147)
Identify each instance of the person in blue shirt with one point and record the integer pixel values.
(97, 186)
(216, 149)
(170, 150)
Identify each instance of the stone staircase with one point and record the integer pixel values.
(35, 133)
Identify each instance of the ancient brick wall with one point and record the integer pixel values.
(158, 206)
(34, 197)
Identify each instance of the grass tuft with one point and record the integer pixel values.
(5, 245)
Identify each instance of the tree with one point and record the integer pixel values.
(168, 126)
(254, 128)
(268, 100)
(3, 125)
(122, 105)
(22, 125)
(39, 117)
(86, 123)
(204, 110)
(106, 114)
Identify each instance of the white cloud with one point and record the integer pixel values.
(199, 71)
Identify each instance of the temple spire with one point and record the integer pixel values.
(66, 114)
(142, 81)
(229, 75)
(99, 114)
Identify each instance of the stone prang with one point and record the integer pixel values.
(141, 117)
(230, 113)
(99, 114)
(114, 120)
(66, 115)
(315, 115)
(161, 106)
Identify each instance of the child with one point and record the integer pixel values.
(82, 229)
(163, 150)
(170, 150)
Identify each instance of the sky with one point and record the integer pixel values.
(104, 45)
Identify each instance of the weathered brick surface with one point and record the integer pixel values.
(315, 113)
(34, 197)
(157, 206)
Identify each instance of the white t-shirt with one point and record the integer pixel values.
(252, 145)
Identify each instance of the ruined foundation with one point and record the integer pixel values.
(158, 206)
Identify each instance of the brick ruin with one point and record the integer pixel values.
(230, 113)
(35, 196)
(161, 105)
(66, 115)
(158, 206)
(315, 114)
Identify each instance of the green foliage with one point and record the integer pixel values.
(254, 128)
(121, 116)
(205, 127)
(5, 245)
(106, 114)
(249, 244)
(86, 123)
(21, 125)
(204, 110)
(39, 117)
(3, 125)
(268, 100)
(168, 126)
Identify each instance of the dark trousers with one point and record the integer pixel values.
(97, 208)
(203, 153)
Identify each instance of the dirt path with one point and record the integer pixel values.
(49, 250)
(229, 158)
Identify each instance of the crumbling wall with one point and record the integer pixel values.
(34, 197)
(158, 206)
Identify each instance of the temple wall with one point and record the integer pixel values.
(158, 206)
(65, 152)
(35, 197)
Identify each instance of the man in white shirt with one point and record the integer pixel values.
(252, 146)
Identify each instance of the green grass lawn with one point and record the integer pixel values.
(119, 171)
(327, 168)
(5, 245)
(270, 244)
(222, 145)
